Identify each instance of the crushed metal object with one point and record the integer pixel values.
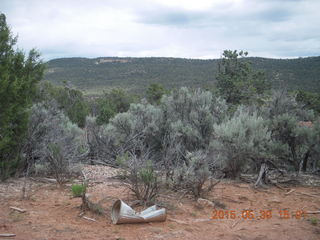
(123, 213)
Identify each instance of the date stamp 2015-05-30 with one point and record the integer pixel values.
(266, 214)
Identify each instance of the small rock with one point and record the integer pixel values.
(205, 203)
(274, 200)
(156, 230)
(243, 198)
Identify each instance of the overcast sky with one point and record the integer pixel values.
(165, 28)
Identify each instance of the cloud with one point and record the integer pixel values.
(175, 18)
(172, 28)
(223, 14)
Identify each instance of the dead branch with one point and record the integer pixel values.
(307, 194)
(102, 163)
(212, 185)
(246, 179)
(87, 204)
(81, 214)
(292, 190)
(18, 209)
(279, 186)
(291, 181)
(177, 221)
(229, 199)
(235, 224)
(182, 196)
(89, 219)
(44, 180)
(7, 235)
(312, 212)
(276, 167)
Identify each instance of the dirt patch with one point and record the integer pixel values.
(52, 213)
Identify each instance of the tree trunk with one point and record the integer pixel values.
(262, 178)
(294, 157)
(305, 161)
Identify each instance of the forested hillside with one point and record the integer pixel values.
(135, 74)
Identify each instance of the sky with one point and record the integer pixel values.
(165, 28)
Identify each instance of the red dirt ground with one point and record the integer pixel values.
(52, 213)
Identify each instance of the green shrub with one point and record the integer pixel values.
(314, 221)
(141, 176)
(146, 175)
(193, 177)
(78, 190)
(57, 148)
(242, 138)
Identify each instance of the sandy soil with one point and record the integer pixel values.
(52, 213)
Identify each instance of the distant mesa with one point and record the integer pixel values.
(94, 74)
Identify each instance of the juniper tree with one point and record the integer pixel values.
(19, 75)
(112, 102)
(293, 143)
(154, 93)
(296, 144)
(70, 100)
